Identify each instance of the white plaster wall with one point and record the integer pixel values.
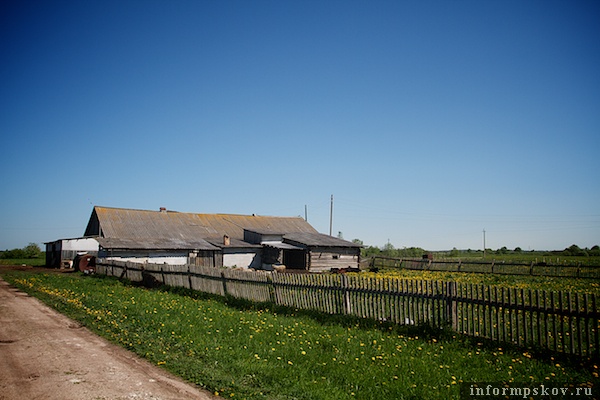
(151, 260)
(83, 244)
(173, 258)
(241, 260)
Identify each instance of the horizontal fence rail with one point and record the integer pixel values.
(493, 267)
(557, 321)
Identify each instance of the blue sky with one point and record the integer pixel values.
(429, 121)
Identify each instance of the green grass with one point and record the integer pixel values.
(242, 351)
(524, 257)
(565, 284)
(35, 262)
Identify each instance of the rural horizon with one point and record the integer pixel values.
(573, 250)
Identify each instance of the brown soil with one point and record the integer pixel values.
(45, 355)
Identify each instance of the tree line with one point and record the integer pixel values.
(32, 250)
(388, 250)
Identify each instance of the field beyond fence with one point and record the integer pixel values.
(557, 321)
(490, 267)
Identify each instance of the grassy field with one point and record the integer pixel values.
(522, 257)
(255, 352)
(34, 262)
(580, 285)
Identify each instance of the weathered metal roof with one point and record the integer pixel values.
(234, 243)
(144, 224)
(281, 245)
(121, 228)
(154, 244)
(317, 239)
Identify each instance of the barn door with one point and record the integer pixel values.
(294, 259)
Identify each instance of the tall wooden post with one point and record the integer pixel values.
(451, 306)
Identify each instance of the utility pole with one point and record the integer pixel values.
(306, 213)
(484, 243)
(331, 217)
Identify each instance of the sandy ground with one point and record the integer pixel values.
(45, 355)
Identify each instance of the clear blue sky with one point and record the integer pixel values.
(429, 121)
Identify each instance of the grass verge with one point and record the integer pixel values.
(35, 262)
(245, 351)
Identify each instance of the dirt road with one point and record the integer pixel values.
(45, 355)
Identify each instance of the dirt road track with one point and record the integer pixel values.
(45, 355)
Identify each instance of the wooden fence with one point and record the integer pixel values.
(557, 321)
(491, 267)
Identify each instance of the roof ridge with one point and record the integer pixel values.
(250, 215)
(122, 208)
(197, 213)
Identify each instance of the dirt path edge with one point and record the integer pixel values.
(46, 355)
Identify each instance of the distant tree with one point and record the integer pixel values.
(13, 254)
(388, 249)
(574, 250)
(415, 252)
(595, 251)
(32, 250)
(370, 251)
(502, 250)
(518, 250)
(408, 252)
(358, 241)
(454, 252)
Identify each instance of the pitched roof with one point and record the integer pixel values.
(233, 243)
(122, 223)
(154, 244)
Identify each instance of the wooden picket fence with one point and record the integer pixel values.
(488, 267)
(561, 322)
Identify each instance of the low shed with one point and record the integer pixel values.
(62, 252)
(237, 253)
(314, 252)
(324, 252)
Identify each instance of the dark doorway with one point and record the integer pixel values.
(294, 259)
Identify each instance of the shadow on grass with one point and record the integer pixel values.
(425, 331)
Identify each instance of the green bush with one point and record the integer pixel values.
(32, 250)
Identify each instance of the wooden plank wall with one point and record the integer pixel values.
(322, 260)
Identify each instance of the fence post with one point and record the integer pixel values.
(531, 268)
(224, 280)
(124, 272)
(189, 271)
(451, 305)
(271, 289)
(346, 295)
